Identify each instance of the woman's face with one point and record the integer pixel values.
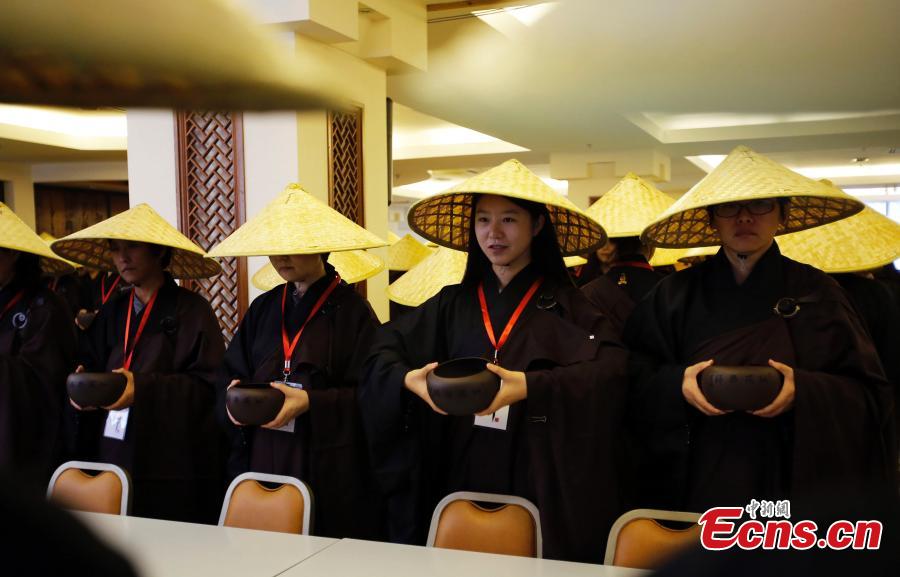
(137, 262)
(8, 258)
(504, 230)
(298, 267)
(606, 254)
(746, 232)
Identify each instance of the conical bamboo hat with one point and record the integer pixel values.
(445, 218)
(407, 253)
(574, 261)
(392, 238)
(48, 240)
(667, 256)
(696, 254)
(16, 235)
(296, 222)
(629, 206)
(445, 267)
(864, 241)
(746, 175)
(353, 266)
(90, 246)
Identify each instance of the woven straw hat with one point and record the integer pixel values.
(353, 266)
(392, 238)
(746, 175)
(444, 218)
(296, 222)
(629, 206)
(407, 253)
(16, 235)
(48, 240)
(862, 242)
(90, 246)
(445, 267)
(667, 256)
(696, 254)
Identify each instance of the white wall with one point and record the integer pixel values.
(152, 162)
(270, 163)
(19, 190)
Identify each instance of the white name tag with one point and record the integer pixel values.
(494, 420)
(288, 428)
(116, 424)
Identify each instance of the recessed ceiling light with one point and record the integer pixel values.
(860, 159)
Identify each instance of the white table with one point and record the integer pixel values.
(171, 549)
(351, 558)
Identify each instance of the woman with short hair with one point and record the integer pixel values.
(166, 341)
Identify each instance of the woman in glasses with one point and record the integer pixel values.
(829, 425)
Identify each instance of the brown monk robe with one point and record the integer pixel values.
(559, 449)
(880, 313)
(37, 351)
(616, 292)
(838, 432)
(327, 449)
(171, 440)
(68, 289)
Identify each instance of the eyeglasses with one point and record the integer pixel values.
(756, 207)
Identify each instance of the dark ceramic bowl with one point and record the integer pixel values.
(740, 388)
(462, 386)
(254, 403)
(95, 389)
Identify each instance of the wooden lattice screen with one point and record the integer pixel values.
(211, 190)
(345, 168)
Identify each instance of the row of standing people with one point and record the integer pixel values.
(363, 430)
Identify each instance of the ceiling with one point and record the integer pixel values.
(816, 83)
(529, 79)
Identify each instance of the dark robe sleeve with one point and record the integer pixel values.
(32, 387)
(844, 431)
(574, 418)
(390, 414)
(657, 415)
(187, 392)
(609, 299)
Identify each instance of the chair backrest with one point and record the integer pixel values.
(286, 508)
(107, 491)
(460, 521)
(638, 540)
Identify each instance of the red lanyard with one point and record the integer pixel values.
(631, 263)
(512, 320)
(290, 345)
(12, 303)
(104, 294)
(137, 336)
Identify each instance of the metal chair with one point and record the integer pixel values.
(285, 508)
(639, 541)
(108, 491)
(460, 521)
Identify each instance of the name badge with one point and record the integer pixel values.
(288, 428)
(116, 424)
(494, 420)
